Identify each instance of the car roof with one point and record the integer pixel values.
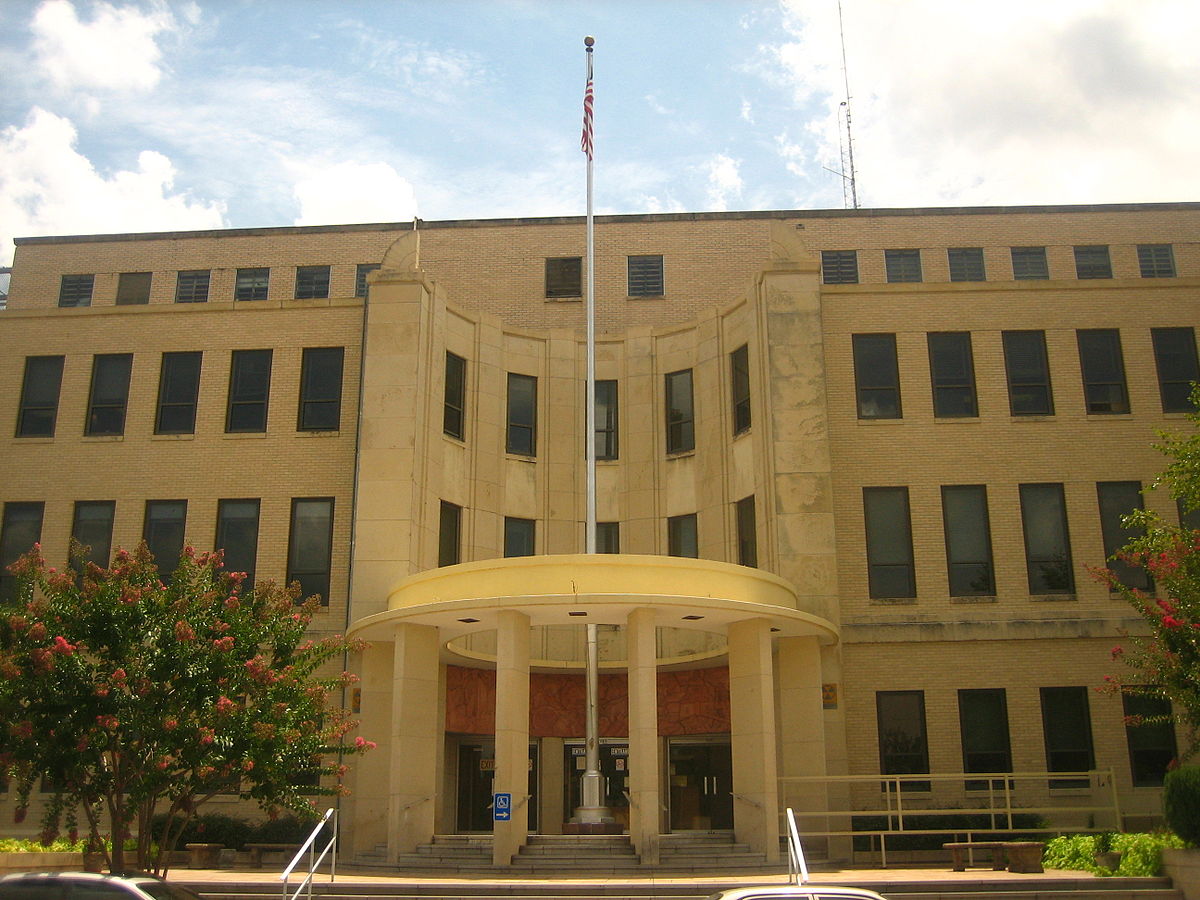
(796, 890)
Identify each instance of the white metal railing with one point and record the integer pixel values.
(314, 858)
(797, 867)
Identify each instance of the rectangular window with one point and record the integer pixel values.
(645, 276)
(952, 372)
(968, 540)
(321, 389)
(983, 723)
(966, 264)
(1029, 264)
(1150, 736)
(454, 403)
(1156, 260)
(564, 276)
(91, 529)
(608, 537)
(747, 532)
(876, 376)
(1067, 729)
(902, 265)
(163, 533)
(522, 415)
(890, 569)
(237, 535)
(839, 266)
(76, 290)
(1103, 370)
(133, 288)
(360, 278)
(1028, 371)
(192, 286)
(312, 282)
(310, 547)
(178, 389)
(681, 412)
(1091, 261)
(1175, 359)
(1117, 500)
(1188, 518)
(20, 529)
(903, 743)
(681, 536)
(449, 534)
(607, 432)
(39, 396)
(519, 536)
(109, 393)
(739, 386)
(249, 390)
(1047, 541)
(251, 284)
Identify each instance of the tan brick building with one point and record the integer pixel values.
(853, 469)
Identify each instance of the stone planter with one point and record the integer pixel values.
(1110, 860)
(39, 861)
(1183, 866)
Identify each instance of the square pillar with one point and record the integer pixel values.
(643, 781)
(802, 730)
(512, 733)
(416, 738)
(752, 737)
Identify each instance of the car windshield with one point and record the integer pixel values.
(164, 890)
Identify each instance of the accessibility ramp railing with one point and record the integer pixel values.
(797, 866)
(315, 858)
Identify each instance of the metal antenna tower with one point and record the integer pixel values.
(850, 180)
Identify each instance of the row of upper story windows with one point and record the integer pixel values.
(319, 402)
(967, 263)
(1027, 368)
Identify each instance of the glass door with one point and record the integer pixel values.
(700, 775)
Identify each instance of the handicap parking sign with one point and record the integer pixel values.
(501, 807)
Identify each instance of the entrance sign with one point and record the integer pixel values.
(501, 807)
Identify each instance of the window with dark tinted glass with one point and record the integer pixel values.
(1092, 261)
(454, 415)
(645, 275)
(966, 263)
(91, 529)
(1150, 736)
(890, 571)
(310, 546)
(76, 290)
(522, 415)
(564, 276)
(739, 386)
(519, 536)
(321, 389)
(1067, 729)
(968, 540)
(952, 371)
(163, 533)
(249, 390)
(251, 284)
(133, 288)
(607, 432)
(449, 534)
(312, 282)
(876, 376)
(1118, 499)
(178, 388)
(903, 742)
(983, 723)
(681, 536)
(360, 278)
(902, 265)
(1175, 361)
(237, 535)
(681, 423)
(1028, 371)
(608, 537)
(1047, 541)
(1156, 260)
(839, 266)
(1029, 263)
(747, 532)
(192, 286)
(1103, 368)
(39, 396)
(109, 393)
(20, 529)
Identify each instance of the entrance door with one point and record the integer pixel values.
(701, 780)
(614, 772)
(476, 771)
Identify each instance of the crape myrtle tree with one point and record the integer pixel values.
(130, 696)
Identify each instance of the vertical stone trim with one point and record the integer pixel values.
(512, 732)
(644, 783)
(752, 737)
(801, 723)
(415, 739)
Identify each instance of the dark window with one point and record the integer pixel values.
(249, 390)
(321, 389)
(607, 433)
(889, 542)
(92, 529)
(1091, 261)
(133, 288)
(1067, 727)
(192, 286)
(455, 400)
(1117, 500)
(178, 388)
(39, 396)
(1188, 518)
(1156, 260)
(739, 378)
(681, 536)
(251, 284)
(518, 536)
(608, 537)
(109, 393)
(1028, 370)
(1029, 264)
(1103, 370)
(312, 282)
(360, 278)
(902, 265)
(747, 533)
(20, 529)
(839, 266)
(952, 371)
(522, 415)
(876, 376)
(76, 290)
(1150, 735)
(983, 723)
(163, 533)
(237, 535)
(449, 534)
(310, 546)
(564, 276)
(1047, 541)
(645, 276)
(968, 540)
(1175, 358)
(903, 745)
(966, 264)
(681, 422)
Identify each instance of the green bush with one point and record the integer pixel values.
(1181, 802)
(948, 827)
(284, 830)
(211, 828)
(1141, 853)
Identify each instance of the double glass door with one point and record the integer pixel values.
(700, 776)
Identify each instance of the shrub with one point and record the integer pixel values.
(946, 825)
(284, 830)
(212, 828)
(1181, 802)
(1141, 853)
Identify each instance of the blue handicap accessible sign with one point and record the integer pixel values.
(501, 807)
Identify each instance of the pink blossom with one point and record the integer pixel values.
(225, 643)
(184, 632)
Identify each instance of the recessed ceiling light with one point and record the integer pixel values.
(577, 613)
(692, 618)
(468, 621)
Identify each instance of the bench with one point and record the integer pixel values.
(1024, 857)
(257, 850)
(960, 850)
(203, 856)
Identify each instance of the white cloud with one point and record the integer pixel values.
(354, 192)
(724, 181)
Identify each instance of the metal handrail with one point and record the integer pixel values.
(797, 866)
(313, 861)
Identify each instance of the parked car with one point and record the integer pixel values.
(796, 892)
(90, 886)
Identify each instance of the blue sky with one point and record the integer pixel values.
(160, 115)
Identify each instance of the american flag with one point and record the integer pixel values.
(585, 141)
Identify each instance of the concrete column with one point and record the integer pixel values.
(512, 732)
(551, 789)
(752, 726)
(416, 739)
(802, 728)
(644, 783)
